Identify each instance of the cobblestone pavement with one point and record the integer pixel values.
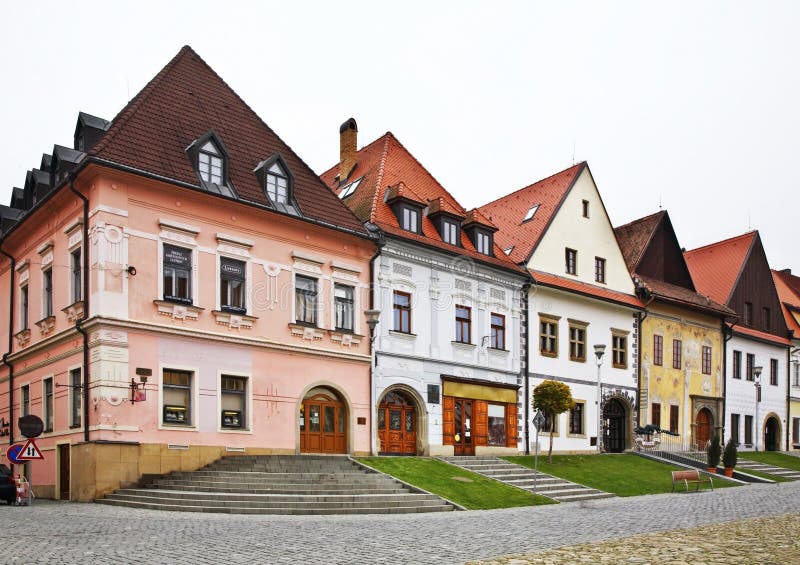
(772, 540)
(56, 532)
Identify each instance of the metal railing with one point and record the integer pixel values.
(668, 446)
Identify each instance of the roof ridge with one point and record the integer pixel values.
(720, 242)
(379, 176)
(639, 220)
(510, 194)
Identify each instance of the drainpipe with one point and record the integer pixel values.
(727, 335)
(642, 316)
(7, 354)
(79, 323)
(373, 412)
(788, 424)
(524, 356)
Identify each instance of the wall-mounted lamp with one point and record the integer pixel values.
(138, 389)
(373, 317)
(132, 270)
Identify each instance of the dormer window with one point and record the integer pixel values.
(209, 163)
(410, 219)
(450, 232)
(483, 242)
(277, 184)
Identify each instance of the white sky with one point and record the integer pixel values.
(691, 105)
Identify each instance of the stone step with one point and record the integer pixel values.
(295, 491)
(211, 500)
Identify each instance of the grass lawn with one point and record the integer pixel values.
(623, 474)
(772, 458)
(470, 490)
(776, 478)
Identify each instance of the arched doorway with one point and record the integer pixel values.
(323, 422)
(397, 424)
(702, 430)
(614, 417)
(771, 435)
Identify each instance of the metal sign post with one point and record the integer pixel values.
(31, 427)
(538, 422)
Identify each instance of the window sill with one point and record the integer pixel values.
(177, 427)
(578, 359)
(345, 338)
(498, 351)
(310, 333)
(23, 337)
(234, 320)
(75, 426)
(619, 366)
(463, 345)
(244, 431)
(177, 310)
(577, 436)
(548, 354)
(403, 335)
(74, 312)
(46, 325)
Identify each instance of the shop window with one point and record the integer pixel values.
(343, 296)
(305, 300)
(498, 331)
(177, 397)
(177, 274)
(232, 285)
(677, 353)
(576, 419)
(75, 390)
(233, 402)
(463, 324)
(47, 404)
(402, 312)
(497, 424)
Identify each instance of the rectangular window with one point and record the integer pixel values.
(75, 389)
(402, 312)
(233, 398)
(77, 280)
(677, 353)
(585, 206)
(411, 219)
(577, 343)
(232, 287)
(343, 307)
(599, 269)
(658, 350)
(484, 243)
(550, 422)
(735, 428)
(796, 378)
(619, 346)
(548, 337)
(25, 401)
(23, 308)
(706, 360)
(177, 274)
(655, 414)
(750, 365)
(571, 260)
(497, 424)
(498, 331)
(463, 324)
(748, 313)
(737, 364)
(748, 430)
(305, 300)
(673, 419)
(47, 404)
(47, 293)
(773, 372)
(766, 319)
(177, 397)
(449, 232)
(795, 431)
(576, 419)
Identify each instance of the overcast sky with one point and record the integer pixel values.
(691, 106)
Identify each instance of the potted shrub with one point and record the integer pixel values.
(713, 454)
(729, 457)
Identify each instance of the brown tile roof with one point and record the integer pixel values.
(788, 287)
(685, 297)
(186, 100)
(382, 166)
(634, 237)
(603, 293)
(507, 213)
(716, 267)
(764, 336)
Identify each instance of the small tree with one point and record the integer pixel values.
(552, 398)
(730, 456)
(714, 452)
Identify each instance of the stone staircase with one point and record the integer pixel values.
(748, 465)
(527, 479)
(302, 484)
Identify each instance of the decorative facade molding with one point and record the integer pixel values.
(178, 311)
(74, 312)
(233, 320)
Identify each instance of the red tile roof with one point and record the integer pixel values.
(547, 279)
(683, 296)
(788, 287)
(383, 165)
(184, 101)
(440, 205)
(507, 213)
(634, 237)
(764, 336)
(715, 268)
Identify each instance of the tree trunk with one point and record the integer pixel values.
(550, 451)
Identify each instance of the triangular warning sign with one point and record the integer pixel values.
(29, 451)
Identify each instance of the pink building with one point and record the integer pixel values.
(186, 245)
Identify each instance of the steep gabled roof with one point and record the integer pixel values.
(715, 268)
(634, 237)
(184, 101)
(508, 212)
(788, 287)
(386, 170)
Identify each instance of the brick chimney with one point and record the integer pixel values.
(348, 145)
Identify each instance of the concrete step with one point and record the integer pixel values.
(300, 490)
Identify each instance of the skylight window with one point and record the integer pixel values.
(508, 250)
(531, 212)
(350, 188)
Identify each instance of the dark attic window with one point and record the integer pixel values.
(210, 161)
(278, 184)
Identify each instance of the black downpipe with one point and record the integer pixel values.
(79, 323)
(642, 316)
(727, 334)
(526, 370)
(379, 243)
(788, 425)
(7, 354)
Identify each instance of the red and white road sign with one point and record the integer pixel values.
(30, 451)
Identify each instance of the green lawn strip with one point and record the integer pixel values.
(763, 475)
(463, 487)
(772, 458)
(620, 474)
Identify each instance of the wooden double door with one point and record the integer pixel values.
(397, 425)
(614, 416)
(323, 425)
(704, 422)
(463, 421)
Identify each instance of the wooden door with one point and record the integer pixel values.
(702, 429)
(397, 425)
(614, 415)
(323, 424)
(63, 471)
(462, 423)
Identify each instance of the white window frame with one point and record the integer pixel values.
(318, 310)
(44, 312)
(248, 401)
(24, 307)
(72, 394)
(194, 426)
(483, 243)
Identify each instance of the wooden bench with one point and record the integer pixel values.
(690, 476)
